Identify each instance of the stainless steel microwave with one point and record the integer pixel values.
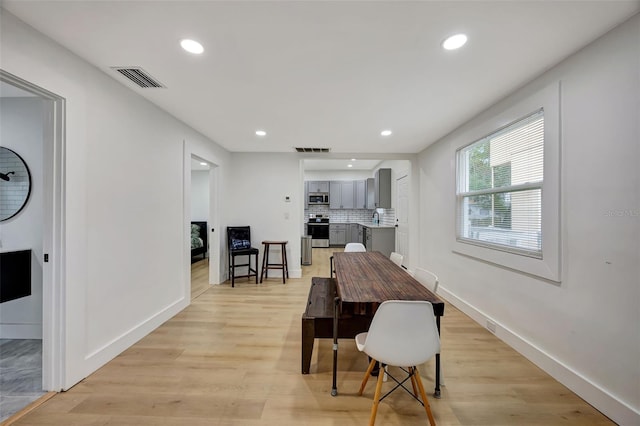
(318, 198)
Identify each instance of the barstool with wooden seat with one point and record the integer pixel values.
(266, 265)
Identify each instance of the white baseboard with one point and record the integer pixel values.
(21, 331)
(295, 273)
(608, 404)
(109, 351)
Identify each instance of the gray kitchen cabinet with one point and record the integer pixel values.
(383, 188)
(371, 193)
(338, 234)
(341, 194)
(380, 239)
(354, 233)
(318, 186)
(360, 200)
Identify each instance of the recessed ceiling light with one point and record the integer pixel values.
(454, 42)
(203, 164)
(191, 46)
(385, 133)
(349, 165)
(261, 133)
(353, 159)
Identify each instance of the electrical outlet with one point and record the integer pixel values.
(491, 326)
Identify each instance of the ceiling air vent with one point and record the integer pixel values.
(139, 76)
(313, 149)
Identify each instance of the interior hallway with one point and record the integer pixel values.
(233, 358)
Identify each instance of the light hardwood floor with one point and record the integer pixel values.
(233, 358)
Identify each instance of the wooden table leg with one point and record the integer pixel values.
(334, 388)
(436, 393)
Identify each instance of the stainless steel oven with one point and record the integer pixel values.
(318, 228)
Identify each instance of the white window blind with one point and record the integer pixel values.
(499, 188)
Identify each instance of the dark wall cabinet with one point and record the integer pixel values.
(15, 275)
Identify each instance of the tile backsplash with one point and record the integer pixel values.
(387, 216)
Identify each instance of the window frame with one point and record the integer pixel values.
(463, 180)
(548, 265)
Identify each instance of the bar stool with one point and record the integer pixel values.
(265, 260)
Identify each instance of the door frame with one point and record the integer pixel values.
(407, 251)
(213, 221)
(53, 238)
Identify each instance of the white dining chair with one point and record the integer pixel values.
(403, 333)
(427, 279)
(430, 281)
(355, 247)
(396, 258)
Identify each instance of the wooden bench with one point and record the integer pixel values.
(317, 320)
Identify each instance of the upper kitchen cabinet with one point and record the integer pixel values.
(318, 185)
(360, 200)
(371, 193)
(382, 191)
(342, 194)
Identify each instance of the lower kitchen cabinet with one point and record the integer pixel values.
(338, 234)
(380, 239)
(354, 238)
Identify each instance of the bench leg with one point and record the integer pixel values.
(308, 331)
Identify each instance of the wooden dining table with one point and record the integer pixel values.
(366, 279)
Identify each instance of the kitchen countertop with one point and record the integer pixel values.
(374, 225)
(365, 224)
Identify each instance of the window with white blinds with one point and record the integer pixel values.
(499, 188)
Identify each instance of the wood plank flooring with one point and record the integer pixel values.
(233, 358)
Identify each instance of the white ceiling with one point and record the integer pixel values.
(325, 74)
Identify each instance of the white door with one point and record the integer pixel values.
(402, 217)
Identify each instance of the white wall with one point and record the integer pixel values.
(126, 230)
(200, 195)
(583, 330)
(21, 131)
(260, 183)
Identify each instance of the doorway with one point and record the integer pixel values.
(35, 322)
(200, 244)
(201, 178)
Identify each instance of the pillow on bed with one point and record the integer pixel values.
(240, 244)
(196, 242)
(195, 230)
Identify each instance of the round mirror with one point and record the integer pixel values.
(15, 183)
